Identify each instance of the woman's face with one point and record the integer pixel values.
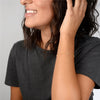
(43, 15)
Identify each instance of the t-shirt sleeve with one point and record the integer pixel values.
(89, 62)
(11, 78)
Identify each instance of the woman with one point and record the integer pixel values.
(58, 59)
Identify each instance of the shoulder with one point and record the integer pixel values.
(88, 42)
(19, 43)
(93, 40)
(88, 45)
(17, 47)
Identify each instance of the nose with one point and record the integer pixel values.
(23, 2)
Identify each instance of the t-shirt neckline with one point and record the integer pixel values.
(42, 50)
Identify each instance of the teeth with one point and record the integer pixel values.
(31, 11)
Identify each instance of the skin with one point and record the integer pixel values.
(16, 93)
(42, 19)
(67, 85)
(75, 86)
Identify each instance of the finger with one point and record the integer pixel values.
(83, 6)
(69, 4)
(77, 3)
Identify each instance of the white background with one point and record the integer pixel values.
(11, 15)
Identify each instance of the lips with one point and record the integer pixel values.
(30, 12)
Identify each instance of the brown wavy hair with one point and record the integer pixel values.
(88, 26)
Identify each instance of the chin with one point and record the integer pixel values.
(30, 25)
(39, 26)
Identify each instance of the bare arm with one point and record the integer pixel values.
(66, 84)
(16, 93)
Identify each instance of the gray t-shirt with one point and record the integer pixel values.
(29, 70)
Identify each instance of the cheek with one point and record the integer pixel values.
(43, 5)
(46, 16)
(45, 9)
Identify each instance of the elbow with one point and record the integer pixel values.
(62, 97)
(74, 95)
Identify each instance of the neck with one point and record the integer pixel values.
(45, 36)
(41, 45)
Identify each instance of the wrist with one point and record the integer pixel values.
(64, 36)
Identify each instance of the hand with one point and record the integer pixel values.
(73, 17)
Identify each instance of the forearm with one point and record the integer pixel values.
(65, 84)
